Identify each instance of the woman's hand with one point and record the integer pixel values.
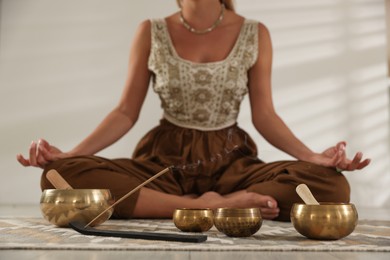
(335, 156)
(41, 154)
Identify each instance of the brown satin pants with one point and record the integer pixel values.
(223, 161)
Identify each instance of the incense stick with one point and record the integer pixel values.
(130, 192)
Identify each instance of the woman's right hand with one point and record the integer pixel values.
(40, 154)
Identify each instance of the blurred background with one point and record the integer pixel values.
(63, 66)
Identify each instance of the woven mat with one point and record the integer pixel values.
(37, 233)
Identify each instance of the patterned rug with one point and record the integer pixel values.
(36, 233)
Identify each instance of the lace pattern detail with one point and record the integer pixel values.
(204, 96)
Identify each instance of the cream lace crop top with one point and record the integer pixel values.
(203, 96)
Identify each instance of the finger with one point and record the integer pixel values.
(364, 164)
(44, 143)
(343, 162)
(342, 149)
(22, 160)
(33, 156)
(41, 161)
(355, 162)
(337, 158)
(341, 145)
(42, 146)
(38, 153)
(46, 154)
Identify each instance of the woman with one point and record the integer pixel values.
(202, 61)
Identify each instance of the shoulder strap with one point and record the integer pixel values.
(158, 33)
(250, 44)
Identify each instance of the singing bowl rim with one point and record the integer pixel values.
(236, 209)
(325, 204)
(74, 190)
(193, 209)
(189, 212)
(237, 212)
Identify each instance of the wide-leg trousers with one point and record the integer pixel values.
(223, 161)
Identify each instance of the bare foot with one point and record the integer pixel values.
(243, 199)
(190, 196)
(211, 200)
(240, 199)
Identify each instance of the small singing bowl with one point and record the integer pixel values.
(235, 222)
(60, 207)
(193, 220)
(327, 221)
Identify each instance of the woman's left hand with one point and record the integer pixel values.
(335, 156)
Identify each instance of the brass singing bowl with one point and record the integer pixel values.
(235, 222)
(60, 207)
(193, 220)
(327, 221)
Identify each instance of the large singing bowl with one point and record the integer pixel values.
(60, 207)
(327, 221)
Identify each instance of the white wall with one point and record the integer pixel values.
(388, 35)
(63, 65)
(330, 81)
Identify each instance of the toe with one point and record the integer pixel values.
(268, 202)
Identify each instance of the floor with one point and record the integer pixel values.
(33, 211)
